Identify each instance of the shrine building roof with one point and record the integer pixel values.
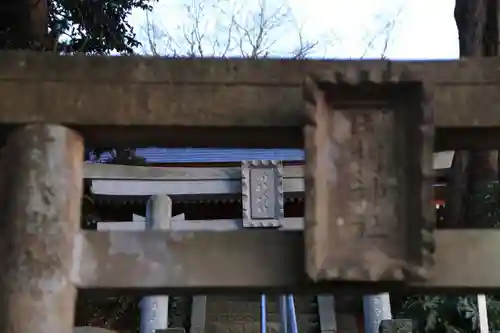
(209, 155)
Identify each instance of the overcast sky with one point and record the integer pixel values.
(424, 29)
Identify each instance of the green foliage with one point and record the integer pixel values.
(120, 313)
(90, 26)
(95, 27)
(448, 314)
(483, 205)
(457, 314)
(441, 314)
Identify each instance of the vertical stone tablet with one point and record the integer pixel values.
(262, 193)
(368, 180)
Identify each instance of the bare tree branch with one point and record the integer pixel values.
(305, 47)
(249, 29)
(155, 36)
(220, 28)
(385, 33)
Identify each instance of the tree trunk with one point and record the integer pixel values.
(477, 25)
(24, 24)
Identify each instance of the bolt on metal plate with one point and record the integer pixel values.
(262, 193)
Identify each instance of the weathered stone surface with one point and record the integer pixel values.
(368, 180)
(396, 326)
(40, 200)
(202, 101)
(90, 329)
(171, 330)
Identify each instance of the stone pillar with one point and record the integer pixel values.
(483, 313)
(327, 315)
(40, 200)
(376, 308)
(154, 309)
(283, 314)
(198, 314)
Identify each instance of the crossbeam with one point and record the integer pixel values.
(290, 223)
(141, 101)
(199, 262)
(116, 180)
(132, 180)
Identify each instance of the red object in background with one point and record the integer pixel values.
(439, 202)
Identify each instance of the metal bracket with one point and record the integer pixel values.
(262, 193)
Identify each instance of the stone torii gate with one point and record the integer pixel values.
(368, 127)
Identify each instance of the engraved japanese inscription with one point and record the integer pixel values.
(262, 193)
(368, 183)
(372, 191)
